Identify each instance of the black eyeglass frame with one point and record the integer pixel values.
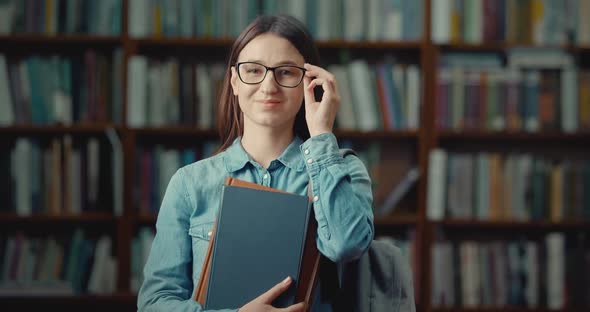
(273, 71)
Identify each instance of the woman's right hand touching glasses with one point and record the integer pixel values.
(263, 302)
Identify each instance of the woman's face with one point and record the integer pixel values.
(268, 104)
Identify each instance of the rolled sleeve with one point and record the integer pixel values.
(341, 190)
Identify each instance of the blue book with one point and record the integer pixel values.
(260, 239)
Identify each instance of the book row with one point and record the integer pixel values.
(56, 265)
(540, 22)
(52, 17)
(522, 187)
(62, 176)
(326, 20)
(42, 90)
(535, 91)
(542, 273)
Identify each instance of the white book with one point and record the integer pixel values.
(117, 159)
(7, 17)
(297, 9)
(156, 90)
(96, 282)
(374, 21)
(473, 28)
(555, 243)
(21, 174)
(363, 95)
(137, 91)
(170, 108)
(169, 164)
(435, 202)
(324, 19)
(7, 117)
(413, 91)
(139, 18)
(569, 99)
(441, 21)
(204, 87)
(345, 116)
(392, 23)
(354, 12)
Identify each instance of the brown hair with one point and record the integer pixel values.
(230, 123)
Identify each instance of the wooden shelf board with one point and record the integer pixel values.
(495, 309)
(377, 134)
(90, 128)
(39, 39)
(479, 135)
(44, 218)
(227, 42)
(339, 44)
(174, 131)
(507, 225)
(497, 46)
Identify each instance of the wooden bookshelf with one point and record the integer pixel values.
(420, 142)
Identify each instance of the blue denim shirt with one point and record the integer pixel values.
(343, 208)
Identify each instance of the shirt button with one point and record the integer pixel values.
(265, 176)
(309, 161)
(306, 151)
(316, 198)
(209, 233)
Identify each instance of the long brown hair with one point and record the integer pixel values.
(230, 120)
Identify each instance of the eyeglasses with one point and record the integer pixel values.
(288, 76)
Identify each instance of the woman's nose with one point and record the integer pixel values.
(269, 84)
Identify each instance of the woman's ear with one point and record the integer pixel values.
(234, 80)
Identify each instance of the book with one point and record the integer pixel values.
(224, 284)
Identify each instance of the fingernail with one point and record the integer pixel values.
(287, 280)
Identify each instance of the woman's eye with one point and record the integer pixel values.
(253, 71)
(285, 72)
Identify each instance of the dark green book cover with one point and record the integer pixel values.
(260, 237)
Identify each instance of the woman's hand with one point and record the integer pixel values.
(263, 302)
(320, 115)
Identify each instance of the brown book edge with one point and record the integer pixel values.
(309, 268)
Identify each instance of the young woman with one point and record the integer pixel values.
(275, 133)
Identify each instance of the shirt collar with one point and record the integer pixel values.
(236, 158)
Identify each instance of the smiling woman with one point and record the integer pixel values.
(275, 133)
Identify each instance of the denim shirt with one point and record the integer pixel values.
(342, 195)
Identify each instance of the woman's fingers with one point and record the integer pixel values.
(269, 296)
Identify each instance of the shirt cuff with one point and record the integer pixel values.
(320, 150)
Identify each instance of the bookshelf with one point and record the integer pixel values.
(400, 149)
